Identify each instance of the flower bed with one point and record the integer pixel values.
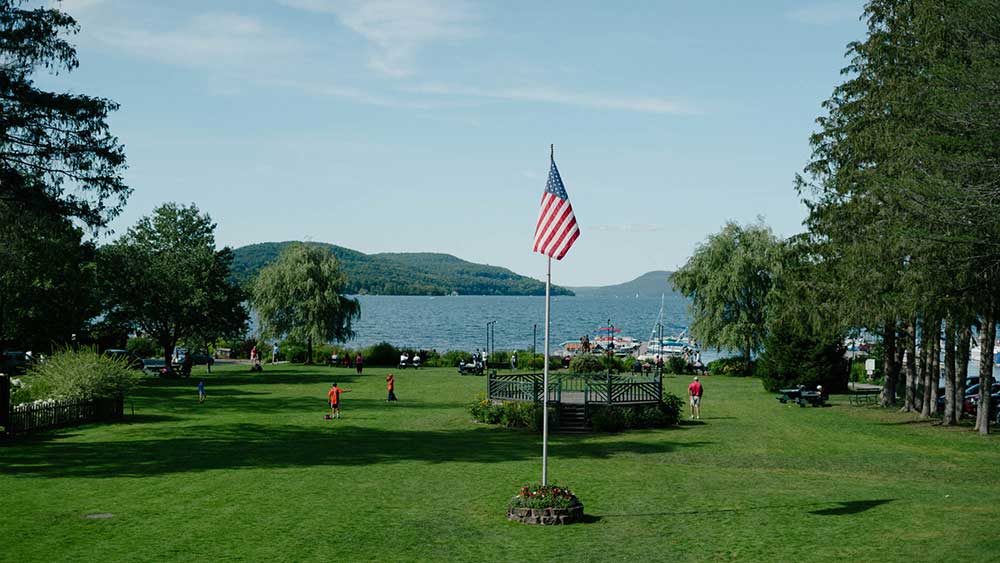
(545, 505)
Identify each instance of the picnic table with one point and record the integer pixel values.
(864, 397)
(801, 397)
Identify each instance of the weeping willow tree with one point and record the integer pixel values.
(299, 297)
(728, 279)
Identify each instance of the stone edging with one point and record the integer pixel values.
(547, 516)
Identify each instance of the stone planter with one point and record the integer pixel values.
(547, 516)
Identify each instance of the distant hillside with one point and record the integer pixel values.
(650, 284)
(420, 273)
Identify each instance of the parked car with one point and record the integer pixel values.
(133, 361)
(970, 405)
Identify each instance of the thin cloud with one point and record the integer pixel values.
(826, 13)
(216, 39)
(349, 93)
(563, 97)
(397, 29)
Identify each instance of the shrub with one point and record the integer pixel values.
(290, 351)
(733, 365)
(81, 375)
(511, 414)
(555, 362)
(483, 410)
(451, 359)
(518, 415)
(321, 353)
(143, 346)
(677, 365)
(381, 354)
(539, 496)
(607, 419)
(587, 363)
(664, 414)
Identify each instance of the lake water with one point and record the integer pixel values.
(459, 322)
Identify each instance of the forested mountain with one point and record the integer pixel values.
(650, 284)
(420, 273)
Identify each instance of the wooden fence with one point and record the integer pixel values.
(30, 417)
(591, 388)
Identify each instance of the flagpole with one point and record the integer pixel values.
(545, 382)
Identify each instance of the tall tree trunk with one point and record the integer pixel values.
(889, 366)
(962, 359)
(987, 336)
(925, 372)
(900, 356)
(935, 365)
(910, 402)
(950, 377)
(168, 343)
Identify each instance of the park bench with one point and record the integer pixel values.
(861, 397)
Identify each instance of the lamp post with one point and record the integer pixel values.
(534, 340)
(489, 338)
(611, 344)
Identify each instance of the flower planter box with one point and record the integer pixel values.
(547, 516)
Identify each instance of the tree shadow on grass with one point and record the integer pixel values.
(844, 508)
(851, 507)
(332, 443)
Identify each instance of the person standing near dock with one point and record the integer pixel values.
(694, 396)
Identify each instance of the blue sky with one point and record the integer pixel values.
(424, 125)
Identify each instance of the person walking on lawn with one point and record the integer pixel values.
(694, 396)
(359, 363)
(391, 386)
(201, 391)
(334, 395)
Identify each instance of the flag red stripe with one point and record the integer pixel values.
(546, 204)
(566, 230)
(559, 229)
(553, 212)
(569, 243)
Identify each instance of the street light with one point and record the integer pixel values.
(611, 344)
(489, 330)
(534, 341)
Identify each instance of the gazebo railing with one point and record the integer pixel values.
(594, 388)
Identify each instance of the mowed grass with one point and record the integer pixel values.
(257, 474)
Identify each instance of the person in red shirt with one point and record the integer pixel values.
(694, 395)
(334, 395)
(391, 386)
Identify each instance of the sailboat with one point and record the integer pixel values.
(667, 346)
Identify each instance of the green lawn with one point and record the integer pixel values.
(256, 474)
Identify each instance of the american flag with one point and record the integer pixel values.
(556, 230)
